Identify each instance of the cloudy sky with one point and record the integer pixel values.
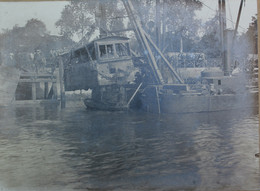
(12, 13)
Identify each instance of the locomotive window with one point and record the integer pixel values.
(92, 53)
(121, 49)
(110, 50)
(102, 50)
(106, 51)
(84, 56)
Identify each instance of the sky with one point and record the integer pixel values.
(249, 9)
(12, 13)
(18, 13)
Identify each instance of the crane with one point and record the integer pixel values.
(147, 43)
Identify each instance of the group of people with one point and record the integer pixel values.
(31, 62)
(39, 61)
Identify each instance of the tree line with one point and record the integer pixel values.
(86, 20)
(24, 46)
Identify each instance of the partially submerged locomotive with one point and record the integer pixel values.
(105, 65)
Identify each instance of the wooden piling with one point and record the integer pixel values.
(46, 90)
(37, 82)
(61, 76)
(158, 99)
(34, 91)
(55, 91)
(258, 45)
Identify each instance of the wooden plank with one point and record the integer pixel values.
(130, 100)
(158, 99)
(28, 0)
(36, 80)
(121, 30)
(33, 91)
(55, 91)
(46, 90)
(258, 45)
(37, 76)
(33, 102)
(61, 76)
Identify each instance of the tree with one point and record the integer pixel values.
(83, 18)
(210, 43)
(24, 41)
(178, 18)
(27, 37)
(35, 26)
(251, 35)
(77, 18)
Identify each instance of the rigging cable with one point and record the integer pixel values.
(226, 18)
(230, 14)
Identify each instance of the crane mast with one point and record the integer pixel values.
(146, 41)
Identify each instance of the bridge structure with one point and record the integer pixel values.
(41, 87)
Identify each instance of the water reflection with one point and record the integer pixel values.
(49, 148)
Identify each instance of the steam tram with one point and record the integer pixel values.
(105, 65)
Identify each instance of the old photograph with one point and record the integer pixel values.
(129, 95)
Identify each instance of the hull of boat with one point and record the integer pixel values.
(94, 105)
(166, 103)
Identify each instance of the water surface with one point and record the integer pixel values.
(46, 148)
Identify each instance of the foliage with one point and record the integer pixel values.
(210, 43)
(22, 42)
(35, 26)
(82, 18)
(77, 18)
(23, 38)
(178, 18)
(251, 35)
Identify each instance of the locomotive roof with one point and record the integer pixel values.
(109, 39)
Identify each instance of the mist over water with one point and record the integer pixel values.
(75, 149)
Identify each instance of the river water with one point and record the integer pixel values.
(48, 148)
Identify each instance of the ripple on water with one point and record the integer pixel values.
(77, 149)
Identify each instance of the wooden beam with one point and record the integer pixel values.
(258, 49)
(164, 59)
(158, 23)
(29, 0)
(158, 99)
(46, 90)
(33, 91)
(238, 19)
(36, 80)
(37, 75)
(61, 76)
(141, 37)
(130, 100)
(121, 30)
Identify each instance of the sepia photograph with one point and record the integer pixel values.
(158, 95)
